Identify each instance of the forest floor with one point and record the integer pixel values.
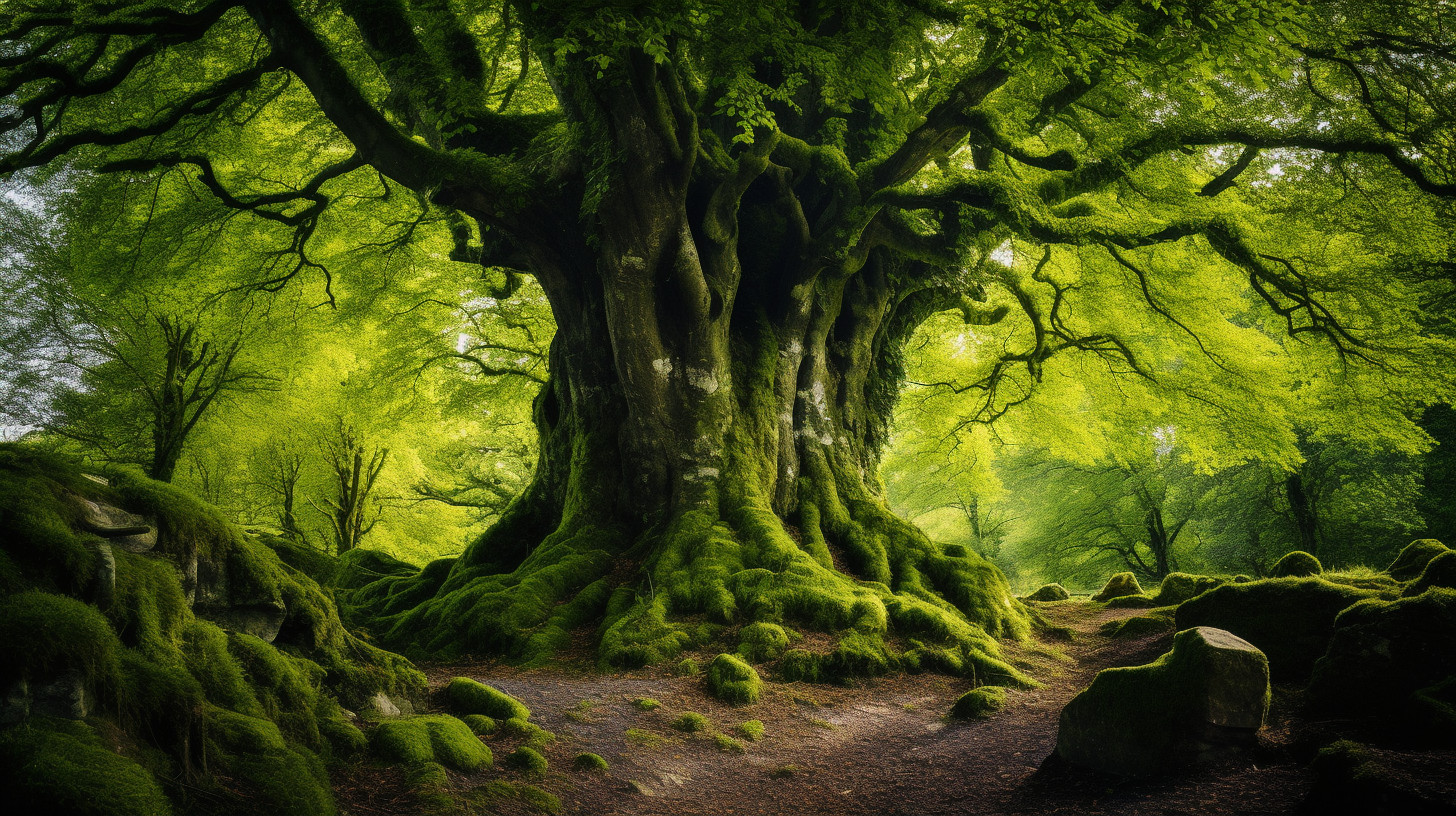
(881, 746)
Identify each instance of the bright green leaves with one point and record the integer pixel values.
(746, 102)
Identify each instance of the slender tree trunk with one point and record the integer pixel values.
(1306, 525)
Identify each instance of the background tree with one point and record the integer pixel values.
(355, 466)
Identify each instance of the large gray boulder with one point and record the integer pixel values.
(1205, 699)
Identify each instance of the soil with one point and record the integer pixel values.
(881, 746)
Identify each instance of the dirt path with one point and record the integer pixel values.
(881, 747)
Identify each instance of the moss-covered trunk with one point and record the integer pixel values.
(720, 392)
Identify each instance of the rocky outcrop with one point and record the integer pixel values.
(1205, 699)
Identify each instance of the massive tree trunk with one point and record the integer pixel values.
(710, 440)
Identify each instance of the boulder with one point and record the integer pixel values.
(1050, 592)
(1414, 558)
(1289, 619)
(129, 531)
(1439, 572)
(1388, 660)
(1354, 778)
(1118, 586)
(1298, 564)
(1205, 699)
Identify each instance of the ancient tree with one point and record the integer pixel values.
(739, 214)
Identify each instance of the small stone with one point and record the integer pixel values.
(1050, 592)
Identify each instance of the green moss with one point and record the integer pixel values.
(591, 763)
(644, 738)
(1050, 592)
(1289, 619)
(1363, 578)
(1440, 571)
(727, 743)
(1132, 602)
(480, 724)
(1156, 621)
(751, 730)
(733, 681)
(343, 737)
(760, 642)
(317, 564)
(44, 636)
(360, 566)
(527, 760)
(431, 738)
(471, 697)
(1119, 585)
(979, 703)
(492, 794)
(646, 704)
(688, 667)
(431, 787)
(691, 722)
(533, 734)
(62, 766)
(253, 753)
(1414, 557)
(1178, 587)
(1298, 564)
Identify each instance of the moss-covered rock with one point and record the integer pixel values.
(1382, 653)
(1289, 619)
(51, 765)
(733, 681)
(472, 697)
(1131, 602)
(1439, 572)
(979, 703)
(1050, 592)
(279, 777)
(1211, 689)
(1414, 557)
(431, 738)
(1297, 564)
(1119, 585)
(361, 566)
(1178, 587)
(47, 639)
(1354, 778)
(762, 641)
(1155, 622)
(528, 732)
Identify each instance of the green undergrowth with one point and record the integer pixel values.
(728, 568)
(174, 702)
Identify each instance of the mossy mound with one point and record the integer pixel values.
(1131, 602)
(733, 681)
(361, 566)
(979, 703)
(1050, 592)
(1289, 619)
(591, 763)
(317, 564)
(646, 704)
(480, 724)
(136, 637)
(473, 697)
(1298, 564)
(528, 732)
(1144, 720)
(1120, 585)
(50, 765)
(1439, 572)
(431, 738)
(1414, 557)
(1382, 654)
(728, 744)
(527, 760)
(1155, 622)
(691, 722)
(1178, 587)
(751, 730)
(760, 642)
